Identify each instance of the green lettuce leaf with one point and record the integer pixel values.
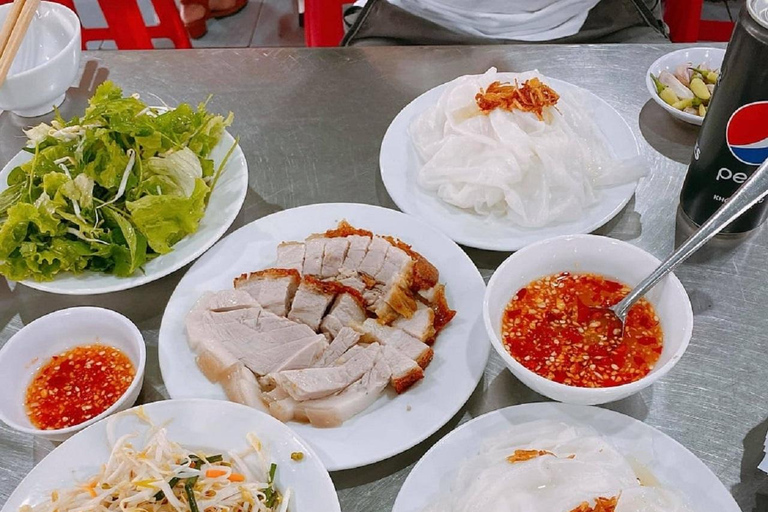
(166, 219)
(181, 167)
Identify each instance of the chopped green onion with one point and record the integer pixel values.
(189, 489)
(172, 483)
(272, 470)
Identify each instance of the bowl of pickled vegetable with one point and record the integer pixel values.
(682, 82)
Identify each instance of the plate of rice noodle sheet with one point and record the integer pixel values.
(501, 160)
(179, 456)
(551, 457)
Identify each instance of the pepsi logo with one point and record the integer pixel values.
(747, 133)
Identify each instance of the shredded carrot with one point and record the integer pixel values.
(533, 96)
(236, 477)
(215, 473)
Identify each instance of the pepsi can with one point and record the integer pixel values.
(733, 140)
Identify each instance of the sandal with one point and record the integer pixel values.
(223, 13)
(198, 28)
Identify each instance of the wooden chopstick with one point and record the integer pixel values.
(17, 36)
(10, 21)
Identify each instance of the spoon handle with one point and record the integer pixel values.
(752, 191)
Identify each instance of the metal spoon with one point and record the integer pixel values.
(752, 191)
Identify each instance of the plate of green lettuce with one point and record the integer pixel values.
(124, 195)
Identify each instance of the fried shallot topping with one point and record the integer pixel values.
(534, 96)
(523, 455)
(601, 505)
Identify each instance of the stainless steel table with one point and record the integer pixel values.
(310, 123)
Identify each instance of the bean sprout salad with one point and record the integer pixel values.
(163, 476)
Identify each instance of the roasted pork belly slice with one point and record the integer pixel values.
(225, 300)
(270, 322)
(344, 340)
(424, 275)
(284, 409)
(350, 353)
(346, 310)
(214, 360)
(273, 288)
(350, 279)
(313, 256)
(304, 357)
(439, 304)
(263, 358)
(358, 247)
(399, 299)
(289, 333)
(313, 383)
(405, 371)
(396, 267)
(290, 255)
(421, 325)
(311, 301)
(374, 258)
(240, 386)
(333, 256)
(420, 352)
(334, 410)
(205, 327)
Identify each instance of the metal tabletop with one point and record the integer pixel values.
(310, 123)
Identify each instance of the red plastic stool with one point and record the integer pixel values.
(686, 26)
(125, 25)
(324, 22)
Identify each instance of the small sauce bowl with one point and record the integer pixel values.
(35, 344)
(591, 254)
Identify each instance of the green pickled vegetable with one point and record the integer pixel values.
(659, 86)
(699, 88)
(668, 96)
(683, 104)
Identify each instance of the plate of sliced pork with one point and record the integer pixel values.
(358, 326)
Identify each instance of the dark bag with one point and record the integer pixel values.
(610, 21)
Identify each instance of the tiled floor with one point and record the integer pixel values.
(276, 23)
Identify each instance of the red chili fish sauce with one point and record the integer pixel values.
(550, 328)
(77, 385)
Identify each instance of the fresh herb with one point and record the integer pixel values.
(108, 191)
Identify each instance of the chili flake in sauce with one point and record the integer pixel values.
(550, 328)
(77, 385)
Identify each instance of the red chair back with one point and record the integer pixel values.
(324, 22)
(126, 27)
(686, 26)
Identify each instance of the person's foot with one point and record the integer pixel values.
(191, 13)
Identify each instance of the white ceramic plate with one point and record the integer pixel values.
(667, 460)
(223, 207)
(393, 423)
(199, 424)
(713, 57)
(400, 164)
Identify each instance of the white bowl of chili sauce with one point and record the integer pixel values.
(69, 369)
(541, 343)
